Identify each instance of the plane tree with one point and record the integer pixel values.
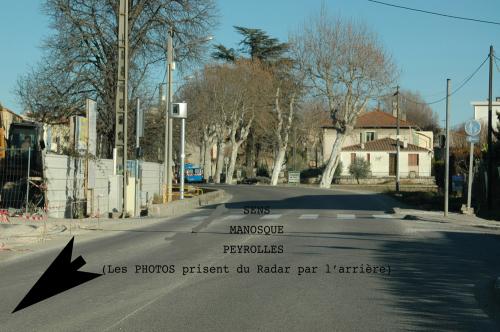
(347, 67)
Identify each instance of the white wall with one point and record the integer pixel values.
(65, 183)
(481, 113)
(423, 139)
(379, 162)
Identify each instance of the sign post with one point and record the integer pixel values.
(473, 129)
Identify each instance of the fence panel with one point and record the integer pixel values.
(21, 186)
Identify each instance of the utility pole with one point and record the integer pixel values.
(121, 103)
(397, 140)
(139, 132)
(490, 135)
(167, 173)
(447, 155)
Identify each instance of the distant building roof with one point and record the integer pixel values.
(383, 144)
(3, 108)
(378, 119)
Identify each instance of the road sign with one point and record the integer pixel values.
(293, 177)
(473, 127)
(473, 139)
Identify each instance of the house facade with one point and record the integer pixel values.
(415, 161)
(374, 139)
(481, 112)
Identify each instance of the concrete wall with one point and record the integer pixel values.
(65, 184)
(379, 163)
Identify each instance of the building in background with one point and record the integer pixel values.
(480, 109)
(374, 139)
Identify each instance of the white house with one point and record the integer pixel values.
(381, 154)
(374, 139)
(481, 112)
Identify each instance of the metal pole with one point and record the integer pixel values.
(490, 134)
(137, 145)
(183, 129)
(28, 179)
(121, 102)
(397, 140)
(447, 155)
(469, 184)
(168, 123)
(294, 149)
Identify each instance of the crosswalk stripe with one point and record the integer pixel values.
(271, 216)
(234, 217)
(198, 218)
(308, 216)
(383, 216)
(346, 216)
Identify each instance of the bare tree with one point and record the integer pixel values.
(281, 131)
(312, 117)
(415, 109)
(347, 66)
(81, 56)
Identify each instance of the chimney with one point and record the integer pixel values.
(402, 113)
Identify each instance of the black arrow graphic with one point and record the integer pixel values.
(61, 275)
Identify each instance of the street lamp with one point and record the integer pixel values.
(168, 119)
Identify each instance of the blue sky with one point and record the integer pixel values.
(427, 49)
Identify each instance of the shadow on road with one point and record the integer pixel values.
(368, 202)
(433, 280)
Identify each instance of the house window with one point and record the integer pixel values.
(353, 157)
(368, 158)
(413, 159)
(369, 136)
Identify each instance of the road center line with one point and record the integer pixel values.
(271, 216)
(198, 218)
(383, 216)
(346, 216)
(309, 216)
(234, 217)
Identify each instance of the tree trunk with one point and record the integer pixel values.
(207, 160)
(278, 162)
(250, 154)
(220, 161)
(331, 165)
(234, 154)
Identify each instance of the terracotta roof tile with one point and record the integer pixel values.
(383, 144)
(379, 119)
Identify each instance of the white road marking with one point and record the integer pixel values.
(234, 217)
(198, 218)
(346, 216)
(271, 216)
(383, 216)
(308, 216)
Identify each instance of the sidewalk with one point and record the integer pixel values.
(453, 218)
(20, 234)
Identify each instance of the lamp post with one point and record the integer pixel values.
(168, 120)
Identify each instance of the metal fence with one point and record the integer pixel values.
(22, 186)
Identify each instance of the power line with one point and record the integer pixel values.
(461, 85)
(496, 64)
(435, 13)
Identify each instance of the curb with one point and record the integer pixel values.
(176, 208)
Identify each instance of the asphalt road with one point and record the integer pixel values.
(429, 276)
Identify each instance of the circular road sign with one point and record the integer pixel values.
(473, 127)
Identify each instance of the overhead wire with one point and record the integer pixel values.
(460, 86)
(435, 13)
